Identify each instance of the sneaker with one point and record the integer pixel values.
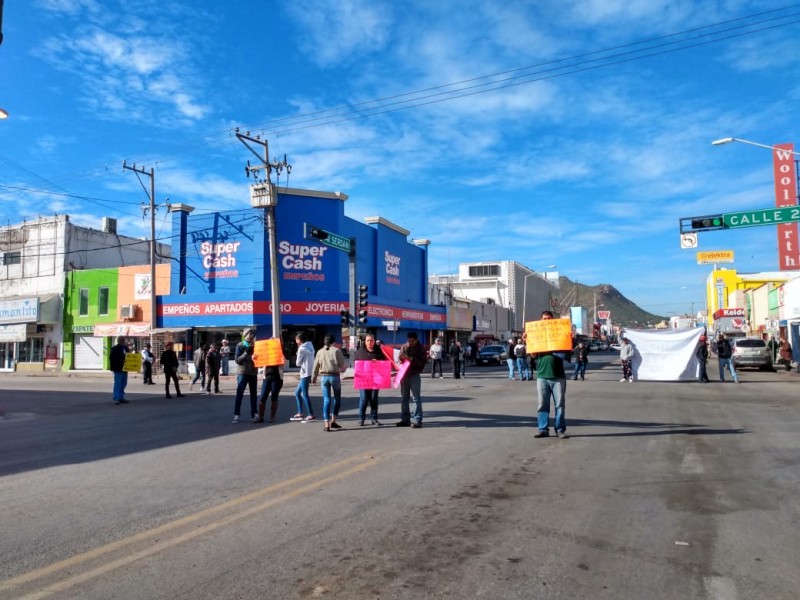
(630, 380)
(562, 435)
(309, 419)
(235, 419)
(623, 379)
(376, 422)
(361, 423)
(541, 434)
(335, 425)
(416, 425)
(123, 401)
(297, 417)
(117, 402)
(403, 424)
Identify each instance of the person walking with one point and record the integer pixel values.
(329, 363)
(785, 352)
(551, 383)
(626, 356)
(225, 357)
(116, 359)
(199, 366)
(511, 359)
(247, 374)
(271, 386)
(581, 360)
(305, 361)
(724, 354)
(169, 362)
(436, 352)
(464, 350)
(148, 358)
(455, 355)
(702, 358)
(411, 384)
(370, 351)
(212, 369)
(521, 358)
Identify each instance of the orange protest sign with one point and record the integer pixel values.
(551, 335)
(268, 353)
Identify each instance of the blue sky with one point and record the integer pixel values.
(587, 161)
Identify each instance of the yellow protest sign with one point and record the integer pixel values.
(133, 362)
(268, 353)
(550, 335)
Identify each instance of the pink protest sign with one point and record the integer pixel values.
(401, 372)
(372, 375)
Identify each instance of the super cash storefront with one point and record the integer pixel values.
(223, 274)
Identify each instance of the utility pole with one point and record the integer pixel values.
(152, 194)
(265, 195)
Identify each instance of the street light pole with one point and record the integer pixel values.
(525, 293)
(729, 140)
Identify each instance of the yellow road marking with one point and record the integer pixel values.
(71, 562)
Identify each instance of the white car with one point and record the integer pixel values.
(615, 346)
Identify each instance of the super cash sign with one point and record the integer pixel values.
(246, 307)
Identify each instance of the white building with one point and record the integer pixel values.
(506, 283)
(34, 258)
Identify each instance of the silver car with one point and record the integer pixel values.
(751, 352)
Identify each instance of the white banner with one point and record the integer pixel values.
(664, 355)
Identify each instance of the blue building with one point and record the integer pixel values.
(221, 273)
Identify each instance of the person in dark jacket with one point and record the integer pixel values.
(212, 369)
(369, 351)
(271, 385)
(455, 354)
(581, 360)
(169, 362)
(724, 354)
(702, 358)
(116, 359)
(247, 374)
(147, 365)
(200, 366)
(411, 385)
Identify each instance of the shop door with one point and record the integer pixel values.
(88, 351)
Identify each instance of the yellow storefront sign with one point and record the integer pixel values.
(714, 256)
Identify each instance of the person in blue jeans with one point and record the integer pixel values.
(551, 383)
(369, 351)
(521, 355)
(511, 359)
(247, 376)
(411, 385)
(305, 361)
(329, 363)
(724, 354)
(117, 366)
(581, 360)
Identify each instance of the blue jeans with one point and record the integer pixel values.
(367, 397)
(243, 381)
(201, 375)
(410, 389)
(510, 362)
(301, 396)
(723, 362)
(580, 370)
(331, 390)
(522, 367)
(120, 381)
(225, 362)
(557, 389)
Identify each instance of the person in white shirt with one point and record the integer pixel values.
(148, 358)
(436, 352)
(304, 360)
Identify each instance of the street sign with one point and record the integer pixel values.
(603, 314)
(766, 216)
(714, 256)
(689, 240)
(329, 238)
(391, 325)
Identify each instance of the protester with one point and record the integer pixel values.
(117, 366)
(147, 365)
(200, 366)
(521, 358)
(626, 356)
(411, 384)
(581, 352)
(551, 382)
(511, 359)
(436, 352)
(455, 355)
(329, 363)
(271, 386)
(702, 358)
(724, 354)
(464, 350)
(247, 374)
(369, 351)
(169, 362)
(225, 357)
(785, 352)
(212, 369)
(305, 361)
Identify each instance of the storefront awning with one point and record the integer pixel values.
(125, 329)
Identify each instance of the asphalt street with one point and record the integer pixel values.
(664, 490)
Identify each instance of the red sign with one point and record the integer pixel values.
(729, 312)
(786, 195)
(603, 314)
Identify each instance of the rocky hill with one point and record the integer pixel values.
(623, 311)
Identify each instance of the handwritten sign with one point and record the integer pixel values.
(268, 353)
(401, 372)
(551, 335)
(372, 375)
(133, 362)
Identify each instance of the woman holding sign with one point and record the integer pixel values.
(369, 352)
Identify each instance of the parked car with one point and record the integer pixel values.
(491, 355)
(751, 352)
(616, 347)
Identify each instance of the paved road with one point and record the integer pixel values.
(665, 490)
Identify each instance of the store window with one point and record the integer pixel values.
(12, 258)
(484, 271)
(31, 350)
(102, 301)
(83, 306)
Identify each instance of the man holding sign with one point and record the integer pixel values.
(116, 359)
(551, 340)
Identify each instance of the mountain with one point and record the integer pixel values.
(606, 297)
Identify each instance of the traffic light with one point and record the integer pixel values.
(363, 292)
(706, 223)
(318, 233)
(345, 317)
